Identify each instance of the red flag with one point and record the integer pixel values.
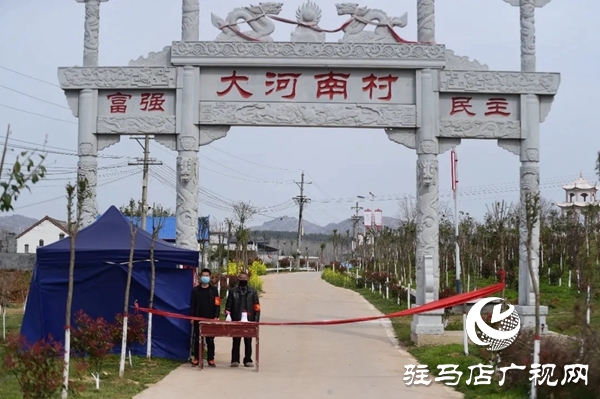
(453, 168)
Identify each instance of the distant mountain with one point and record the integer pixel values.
(16, 223)
(290, 224)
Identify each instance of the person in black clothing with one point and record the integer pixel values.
(242, 299)
(206, 303)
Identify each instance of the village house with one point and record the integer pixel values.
(44, 232)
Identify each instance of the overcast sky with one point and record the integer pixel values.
(260, 164)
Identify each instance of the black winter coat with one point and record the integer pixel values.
(234, 304)
(215, 300)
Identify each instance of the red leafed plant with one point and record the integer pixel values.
(38, 367)
(92, 338)
(136, 329)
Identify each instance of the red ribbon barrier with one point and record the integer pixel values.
(435, 305)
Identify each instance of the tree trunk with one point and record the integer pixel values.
(126, 304)
(151, 304)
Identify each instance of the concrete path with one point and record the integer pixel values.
(345, 361)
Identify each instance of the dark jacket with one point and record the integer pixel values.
(234, 304)
(215, 300)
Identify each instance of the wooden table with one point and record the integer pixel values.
(229, 329)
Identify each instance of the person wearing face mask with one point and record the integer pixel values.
(242, 304)
(206, 303)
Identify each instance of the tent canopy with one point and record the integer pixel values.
(109, 240)
(100, 276)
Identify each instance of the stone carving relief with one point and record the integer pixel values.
(511, 145)
(190, 20)
(160, 58)
(405, 137)
(255, 16)
(73, 101)
(87, 168)
(532, 154)
(530, 179)
(427, 147)
(427, 218)
(117, 77)
(427, 172)
(167, 140)
(188, 143)
(530, 184)
(86, 149)
(499, 82)
(361, 17)
(480, 129)
(210, 133)
(308, 114)
(462, 63)
(106, 140)
(187, 202)
(311, 50)
(308, 14)
(446, 143)
(136, 124)
(426, 21)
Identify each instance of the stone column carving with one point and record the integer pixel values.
(527, 15)
(426, 21)
(186, 211)
(190, 21)
(92, 31)
(87, 166)
(427, 255)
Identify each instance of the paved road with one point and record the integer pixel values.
(345, 361)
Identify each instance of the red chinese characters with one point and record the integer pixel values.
(118, 102)
(152, 102)
(233, 82)
(281, 81)
(373, 82)
(462, 104)
(332, 84)
(497, 106)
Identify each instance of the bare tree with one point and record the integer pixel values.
(75, 193)
(158, 221)
(407, 210)
(499, 217)
(134, 210)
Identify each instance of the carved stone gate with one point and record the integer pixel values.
(421, 95)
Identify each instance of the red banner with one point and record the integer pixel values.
(435, 305)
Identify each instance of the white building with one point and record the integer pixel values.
(579, 194)
(44, 232)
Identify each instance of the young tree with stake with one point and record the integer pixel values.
(135, 212)
(158, 219)
(78, 193)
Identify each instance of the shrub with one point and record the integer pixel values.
(136, 329)
(284, 263)
(92, 337)
(338, 279)
(257, 268)
(38, 367)
(255, 282)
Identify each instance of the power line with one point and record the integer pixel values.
(35, 98)
(36, 114)
(251, 162)
(29, 76)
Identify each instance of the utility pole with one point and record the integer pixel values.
(355, 219)
(301, 200)
(146, 161)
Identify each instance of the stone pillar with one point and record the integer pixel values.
(427, 257)
(426, 21)
(87, 166)
(530, 185)
(527, 13)
(186, 210)
(190, 21)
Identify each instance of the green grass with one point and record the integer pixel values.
(560, 301)
(136, 379)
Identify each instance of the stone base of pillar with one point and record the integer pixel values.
(527, 316)
(429, 323)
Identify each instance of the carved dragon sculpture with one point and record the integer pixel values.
(254, 16)
(355, 32)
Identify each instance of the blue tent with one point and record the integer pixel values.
(101, 261)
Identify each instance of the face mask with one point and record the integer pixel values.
(243, 283)
(205, 279)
